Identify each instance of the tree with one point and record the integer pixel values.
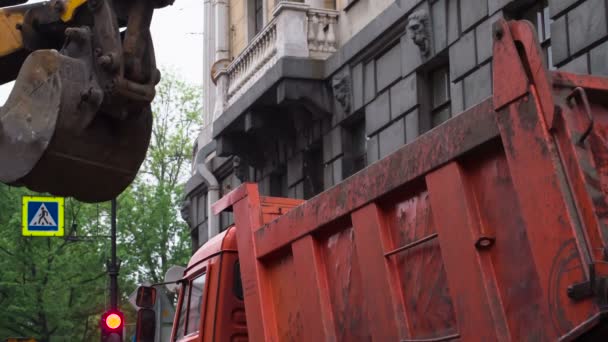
(55, 289)
(50, 288)
(152, 236)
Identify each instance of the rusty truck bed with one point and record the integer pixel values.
(491, 227)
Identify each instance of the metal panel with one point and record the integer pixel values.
(417, 264)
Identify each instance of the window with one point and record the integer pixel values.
(199, 218)
(538, 14)
(313, 172)
(226, 220)
(355, 148)
(440, 95)
(183, 311)
(196, 304)
(278, 183)
(191, 306)
(259, 15)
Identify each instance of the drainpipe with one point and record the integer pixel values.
(213, 194)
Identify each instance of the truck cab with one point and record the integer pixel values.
(210, 303)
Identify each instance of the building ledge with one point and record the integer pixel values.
(285, 68)
(261, 91)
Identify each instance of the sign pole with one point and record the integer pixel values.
(113, 266)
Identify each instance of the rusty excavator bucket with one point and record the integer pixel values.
(78, 121)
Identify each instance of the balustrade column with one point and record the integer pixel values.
(292, 33)
(221, 94)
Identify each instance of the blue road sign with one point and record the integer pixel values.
(42, 216)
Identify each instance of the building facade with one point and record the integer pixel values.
(300, 95)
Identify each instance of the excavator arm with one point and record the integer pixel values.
(12, 53)
(78, 121)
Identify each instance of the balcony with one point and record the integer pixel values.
(296, 30)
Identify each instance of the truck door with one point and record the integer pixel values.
(191, 308)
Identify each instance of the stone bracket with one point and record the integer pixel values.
(314, 96)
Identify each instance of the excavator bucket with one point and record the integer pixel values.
(76, 124)
(52, 139)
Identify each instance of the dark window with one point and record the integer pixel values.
(259, 15)
(440, 95)
(194, 239)
(201, 220)
(538, 14)
(313, 172)
(201, 209)
(226, 220)
(278, 184)
(355, 148)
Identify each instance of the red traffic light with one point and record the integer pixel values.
(112, 320)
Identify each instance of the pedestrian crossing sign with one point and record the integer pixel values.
(42, 216)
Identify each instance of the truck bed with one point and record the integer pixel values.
(490, 227)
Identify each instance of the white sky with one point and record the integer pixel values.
(177, 32)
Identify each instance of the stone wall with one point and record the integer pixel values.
(399, 87)
(578, 33)
(395, 88)
(356, 14)
(399, 93)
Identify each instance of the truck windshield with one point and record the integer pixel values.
(190, 308)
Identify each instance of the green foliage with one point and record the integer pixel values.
(54, 289)
(152, 237)
(49, 288)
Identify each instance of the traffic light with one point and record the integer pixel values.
(112, 326)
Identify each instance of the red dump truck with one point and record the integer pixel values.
(490, 227)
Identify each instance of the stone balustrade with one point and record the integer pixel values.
(322, 40)
(253, 61)
(296, 30)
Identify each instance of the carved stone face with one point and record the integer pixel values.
(240, 169)
(185, 211)
(341, 86)
(418, 31)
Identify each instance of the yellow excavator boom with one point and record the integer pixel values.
(10, 36)
(70, 8)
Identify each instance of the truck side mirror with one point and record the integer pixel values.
(146, 325)
(146, 297)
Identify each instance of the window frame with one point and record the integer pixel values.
(352, 154)
(204, 271)
(446, 104)
(541, 19)
(178, 310)
(190, 302)
(257, 20)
